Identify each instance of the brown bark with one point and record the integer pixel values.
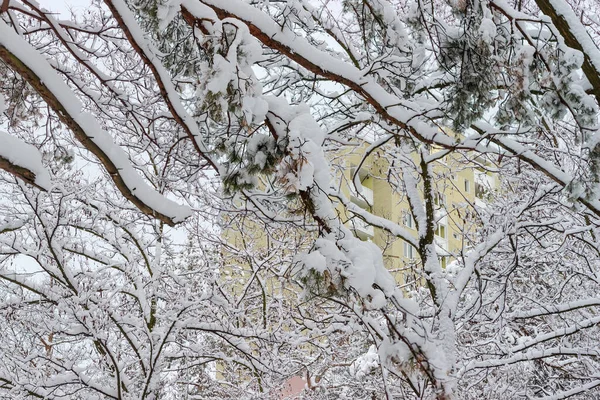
(18, 171)
(591, 73)
(163, 91)
(53, 102)
(355, 86)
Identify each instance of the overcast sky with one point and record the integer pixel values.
(63, 6)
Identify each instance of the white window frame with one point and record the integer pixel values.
(409, 251)
(408, 220)
(443, 262)
(441, 230)
(439, 199)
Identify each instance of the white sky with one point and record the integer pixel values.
(63, 6)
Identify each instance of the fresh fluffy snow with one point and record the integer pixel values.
(24, 155)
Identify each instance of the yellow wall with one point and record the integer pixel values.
(454, 179)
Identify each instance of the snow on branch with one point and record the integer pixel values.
(23, 160)
(36, 70)
(575, 36)
(399, 111)
(404, 114)
(143, 47)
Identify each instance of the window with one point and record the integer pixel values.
(441, 231)
(439, 200)
(409, 251)
(443, 262)
(467, 186)
(408, 220)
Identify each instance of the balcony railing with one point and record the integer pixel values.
(364, 198)
(362, 229)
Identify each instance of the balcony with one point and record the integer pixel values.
(361, 229)
(483, 185)
(364, 198)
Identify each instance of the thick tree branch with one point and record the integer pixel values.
(388, 106)
(184, 120)
(25, 174)
(563, 19)
(52, 100)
